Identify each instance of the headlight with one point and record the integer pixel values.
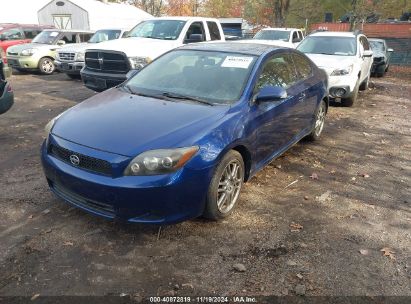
(157, 162)
(342, 72)
(137, 63)
(50, 124)
(28, 52)
(80, 56)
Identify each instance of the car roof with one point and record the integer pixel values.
(68, 31)
(333, 34)
(254, 49)
(183, 18)
(279, 29)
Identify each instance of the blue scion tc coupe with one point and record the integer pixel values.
(178, 139)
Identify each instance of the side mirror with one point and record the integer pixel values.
(132, 73)
(367, 53)
(195, 38)
(270, 93)
(390, 50)
(61, 42)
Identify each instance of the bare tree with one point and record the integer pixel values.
(153, 7)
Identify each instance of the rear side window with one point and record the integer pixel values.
(195, 28)
(214, 31)
(295, 37)
(85, 37)
(303, 66)
(31, 33)
(69, 37)
(278, 71)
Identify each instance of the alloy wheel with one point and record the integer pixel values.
(229, 186)
(47, 66)
(319, 123)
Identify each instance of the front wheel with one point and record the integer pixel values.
(46, 66)
(319, 122)
(225, 186)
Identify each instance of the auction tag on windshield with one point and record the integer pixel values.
(54, 34)
(237, 62)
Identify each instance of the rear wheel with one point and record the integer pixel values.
(46, 66)
(225, 186)
(319, 122)
(351, 101)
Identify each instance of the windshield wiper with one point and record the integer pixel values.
(185, 97)
(131, 91)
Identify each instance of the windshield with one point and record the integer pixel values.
(272, 35)
(104, 35)
(158, 29)
(46, 37)
(327, 45)
(377, 45)
(214, 77)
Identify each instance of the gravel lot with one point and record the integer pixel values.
(313, 222)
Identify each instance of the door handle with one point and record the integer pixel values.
(302, 97)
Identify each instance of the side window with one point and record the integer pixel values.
(30, 33)
(69, 37)
(195, 28)
(214, 31)
(295, 37)
(301, 35)
(13, 34)
(278, 71)
(303, 66)
(365, 43)
(125, 34)
(85, 37)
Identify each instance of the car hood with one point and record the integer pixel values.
(269, 42)
(20, 47)
(76, 47)
(117, 122)
(138, 47)
(331, 62)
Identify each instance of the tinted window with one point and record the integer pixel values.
(303, 66)
(195, 28)
(328, 45)
(158, 29)
(69, 37)
(31, 33)
(85, 37)
(213, 76)
(278, 71)
(295, 37)
(365, 43)
(13, 34)
(214, 31)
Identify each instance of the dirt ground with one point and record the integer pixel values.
(313, 222)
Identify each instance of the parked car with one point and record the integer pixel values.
(179, 138)
(347, 59)
(39, 55)
(6, 92)
(287, 37)
(14, 33)
(70, 59)
(381, 57)
(108, 64)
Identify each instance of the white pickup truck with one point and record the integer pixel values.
(109, 64)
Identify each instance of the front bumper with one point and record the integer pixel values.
(23, 62)
(378, 67)
(73, 67)
(99, 81)
(346, 83)
(164, 199)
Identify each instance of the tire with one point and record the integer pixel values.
(225, 183)
(319, 122)
(351, 101)
(387, 68)
(364, 85)
(46, 66)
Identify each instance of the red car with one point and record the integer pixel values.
(13, 33)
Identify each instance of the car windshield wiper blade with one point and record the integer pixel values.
(131, 91)
(185, 97)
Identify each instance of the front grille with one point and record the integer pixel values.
(99, 207)
(67, 56)
(107, 61)
(13, 62)
(85, 162)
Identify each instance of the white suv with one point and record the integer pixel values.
(346, 57)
